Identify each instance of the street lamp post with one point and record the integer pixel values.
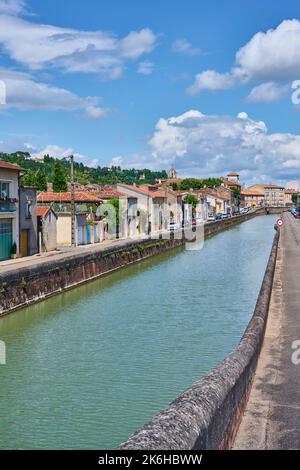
(73, 240)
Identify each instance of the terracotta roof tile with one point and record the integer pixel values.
(80, 196)
(10, 166)
(146, 192)
(42, 211)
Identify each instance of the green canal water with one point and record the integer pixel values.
(88, 367)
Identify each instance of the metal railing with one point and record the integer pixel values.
(6, 206)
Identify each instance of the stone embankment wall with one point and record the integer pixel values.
(23, 286)
(20, 287)
(207, 415)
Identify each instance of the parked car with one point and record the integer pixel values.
(296, 215)
(210, 217)
(244, 210)
(173, 226)
(196, 221)
(236, 213)
(218, 216)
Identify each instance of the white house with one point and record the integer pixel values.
(9, 208)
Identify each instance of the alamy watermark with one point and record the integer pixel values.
(2, 92)
(2, 353)
(155, 220)
(296, 354)
(296, 94)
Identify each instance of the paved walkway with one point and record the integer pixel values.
(272, 416)
(62, 253)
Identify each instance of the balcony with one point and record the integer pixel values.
(8, 206)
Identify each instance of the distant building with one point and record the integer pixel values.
(273, 194)
(9, 208)
(172, 174)
(87, 230)
(150, 208)
(294, 184)
(234, 177)
(47, 228)
(253, 197)
(28, 222)
(288, 195)
(232, 181)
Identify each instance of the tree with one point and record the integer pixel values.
(41, 180)
(114, 223)
(29, 179)
(192, 201)
(59, 180)
(295, 198)
(194, 183)
(237, 195)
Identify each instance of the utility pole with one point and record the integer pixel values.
(72, 201)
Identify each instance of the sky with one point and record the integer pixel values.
(207, 87)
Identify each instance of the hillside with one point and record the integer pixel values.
(83, 174)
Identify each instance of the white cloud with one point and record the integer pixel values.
(12, 7)
(145, 68)
(117, 161)
(24, 93)
(267, 92)
(40, 46)
(185, 47)
(211, 145)
(211, 80)
(18, 144)
(56, 151)
(268, 57)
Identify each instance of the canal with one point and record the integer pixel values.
(88, 367)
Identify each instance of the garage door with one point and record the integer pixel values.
(5, 238)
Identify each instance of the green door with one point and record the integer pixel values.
(5, 238)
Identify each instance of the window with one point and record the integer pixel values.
(4, 190)
(28, 210)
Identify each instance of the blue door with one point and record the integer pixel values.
(5, 238)
(88, 233)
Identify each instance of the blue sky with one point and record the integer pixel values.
(204, 86)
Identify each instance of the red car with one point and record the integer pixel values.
(297, 215)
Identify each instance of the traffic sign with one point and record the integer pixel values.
(279, 222)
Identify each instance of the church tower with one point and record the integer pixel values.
(172, 174)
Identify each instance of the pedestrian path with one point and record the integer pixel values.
(272, 416)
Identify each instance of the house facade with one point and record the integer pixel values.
(9, 209)
(273, 194)
(252, 197)
(288, 195)
(87, 228)
(151, 211)
(47, 228)
(28, 239)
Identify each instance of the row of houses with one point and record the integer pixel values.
(22, 223)
(268, 195)
(31, 223)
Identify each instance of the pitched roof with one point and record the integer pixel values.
(264, 186)
(79, 196)
(219, 193)
(143, 191)
(230, 183)
(10, 166)
(252, 192)
(291, 191)
(42, 211)
(233, 173)
(108, 193)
